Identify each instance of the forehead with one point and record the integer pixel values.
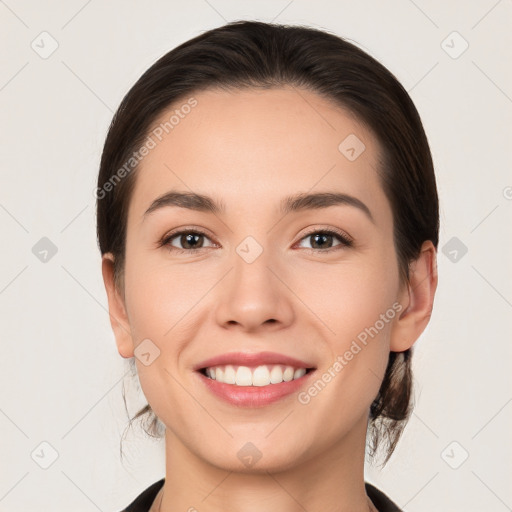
(250, 148)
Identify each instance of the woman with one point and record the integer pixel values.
(268, 220)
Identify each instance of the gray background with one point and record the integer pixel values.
(62, 377)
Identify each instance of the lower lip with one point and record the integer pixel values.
(254, 396)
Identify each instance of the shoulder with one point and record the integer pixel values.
(144, 500)
(380, 500)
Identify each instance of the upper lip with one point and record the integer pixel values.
(252, 359)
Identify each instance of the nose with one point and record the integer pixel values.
(254, 296)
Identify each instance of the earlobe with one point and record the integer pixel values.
(418, 306)
(117, 309)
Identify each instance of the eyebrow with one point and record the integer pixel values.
(294, 203)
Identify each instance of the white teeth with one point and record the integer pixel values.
(229, 375)
(288, 374)
(262, 375)
(243, 376)
(276, 375)
(299, 373)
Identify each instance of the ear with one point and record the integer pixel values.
(417, 298)
(117, 309)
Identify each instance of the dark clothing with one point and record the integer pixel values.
(143, 501)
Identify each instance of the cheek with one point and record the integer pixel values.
(161, 295)
(359, 308)
(361, 314)
(349, 298)
(160, 303)
(365, 313)
(163, 303)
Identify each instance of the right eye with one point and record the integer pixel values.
(190, 240)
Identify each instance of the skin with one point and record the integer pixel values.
(250, 149)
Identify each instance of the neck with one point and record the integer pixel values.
(332, 479)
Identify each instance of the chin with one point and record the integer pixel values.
(254, 457)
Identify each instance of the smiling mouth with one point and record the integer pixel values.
(262, 375)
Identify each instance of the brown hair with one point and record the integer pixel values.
(251, 54)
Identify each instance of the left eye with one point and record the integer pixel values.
(325, 237)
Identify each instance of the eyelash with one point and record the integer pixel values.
(345, 240)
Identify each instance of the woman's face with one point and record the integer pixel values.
(260, 280)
